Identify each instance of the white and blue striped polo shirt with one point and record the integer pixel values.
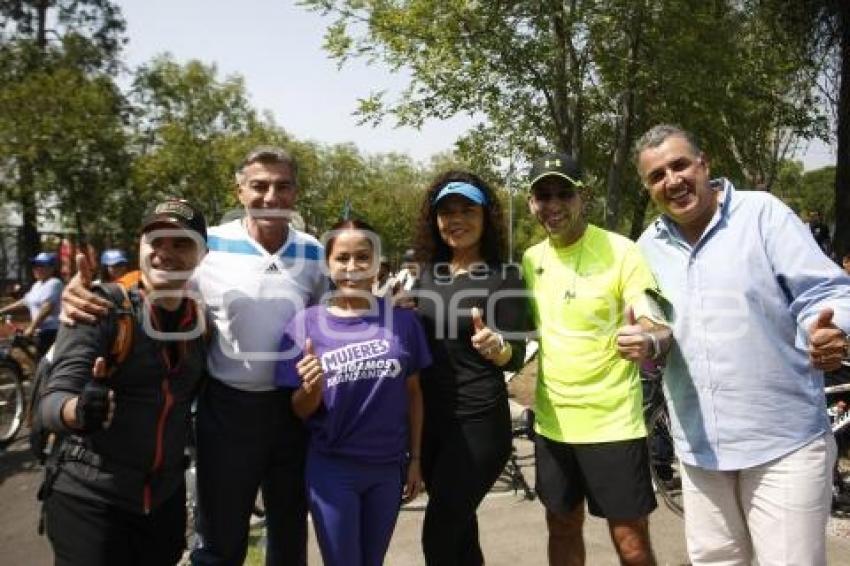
(250, 295)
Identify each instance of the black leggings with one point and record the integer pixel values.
(461, 460)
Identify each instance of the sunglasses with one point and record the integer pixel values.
(559, 194)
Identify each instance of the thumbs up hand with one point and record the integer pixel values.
(79, 304)
(400, 297)
(310, 368)
(488, 343)
(828, 344)
(95, 406)
(633, 342)
(477, 320)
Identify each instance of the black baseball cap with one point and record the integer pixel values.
(178, 212)
(556, 164)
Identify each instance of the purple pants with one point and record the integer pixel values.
(354, 506)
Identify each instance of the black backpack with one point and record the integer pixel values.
(44, 443)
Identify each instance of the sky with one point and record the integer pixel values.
(276, 46)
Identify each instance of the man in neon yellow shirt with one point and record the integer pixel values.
(592, 295)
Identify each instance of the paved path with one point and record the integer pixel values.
(512, 528)
(513, 533)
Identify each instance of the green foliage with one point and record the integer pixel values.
(190, 129)
(61, 115)
(63, 124)
(93, 27)
(384, 190)
(587, 77)
(807, 191)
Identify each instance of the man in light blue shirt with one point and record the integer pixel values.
(758, 312)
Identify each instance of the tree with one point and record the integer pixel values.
(584, 77)
(806, 191)
(190, 129)
(385, 190)
(63, 132)
(824, 28)
(75, 57)
(842, 173)
(96, 24)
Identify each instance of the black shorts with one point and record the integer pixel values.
(613, 477)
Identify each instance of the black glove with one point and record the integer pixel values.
(92, 407)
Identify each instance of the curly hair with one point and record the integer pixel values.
(429, 245)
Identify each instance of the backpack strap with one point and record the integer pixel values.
(51, 448)
(122, 339)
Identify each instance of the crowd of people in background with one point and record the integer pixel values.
(822, 234)
(337, 387)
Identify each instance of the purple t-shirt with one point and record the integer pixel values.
(366, 360)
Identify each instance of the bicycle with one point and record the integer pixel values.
(664, 467)
(664, 464)
(13, 403)
(522, 427)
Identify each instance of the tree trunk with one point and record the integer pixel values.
(26, 168)
(620, 159)
(30, 240)
(41, 29)
(639, 214)
(841, 240)
(619, 162)
(564, 114)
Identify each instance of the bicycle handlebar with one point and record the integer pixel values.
(842, 388)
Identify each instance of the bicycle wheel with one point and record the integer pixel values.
(664, 465)
(12, 403)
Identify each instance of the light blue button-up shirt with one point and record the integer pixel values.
(740, 386)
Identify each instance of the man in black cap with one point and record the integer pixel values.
(119, 494)
(591, 293)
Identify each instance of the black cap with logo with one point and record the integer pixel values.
(557, 164)
(178, 212)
